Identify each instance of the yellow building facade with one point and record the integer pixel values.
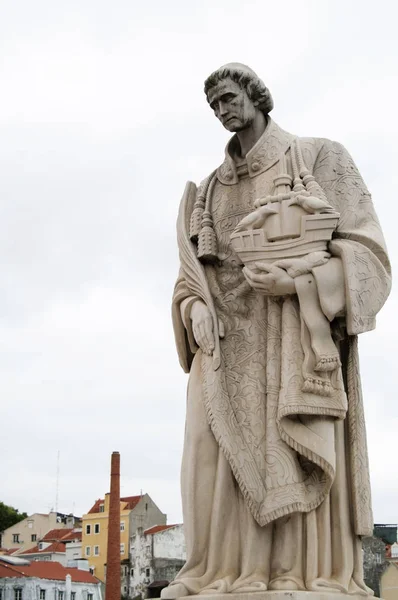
(135, 511)
(389, 582)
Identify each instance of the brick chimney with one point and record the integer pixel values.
(112, 585)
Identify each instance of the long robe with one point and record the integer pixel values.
(275, 481)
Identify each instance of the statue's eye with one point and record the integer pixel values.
(228, 97)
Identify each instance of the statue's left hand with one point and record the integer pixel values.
(270, 280)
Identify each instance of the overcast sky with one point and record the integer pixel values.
(102, 121)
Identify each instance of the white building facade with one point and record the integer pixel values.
(22, 579)
(34, 588)
(157, 555)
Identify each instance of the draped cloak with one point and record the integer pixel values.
(279, 440)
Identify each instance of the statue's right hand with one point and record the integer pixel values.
(202, 326)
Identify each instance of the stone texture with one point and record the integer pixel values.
(283, 264)
(285, 595)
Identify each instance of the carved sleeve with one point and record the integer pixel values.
(181, 306)
(358, 240)
(191, 285)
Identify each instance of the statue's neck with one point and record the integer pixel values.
(249, 136)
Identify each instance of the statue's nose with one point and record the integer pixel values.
(223, 109)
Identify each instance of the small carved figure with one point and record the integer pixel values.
(283, 264)
(256, 219)
(313, 205)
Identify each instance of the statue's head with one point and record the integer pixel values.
(236, 93)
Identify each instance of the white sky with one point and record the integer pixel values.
(102, 120)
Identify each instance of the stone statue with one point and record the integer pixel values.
(283, 264)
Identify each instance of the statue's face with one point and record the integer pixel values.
(231, 105)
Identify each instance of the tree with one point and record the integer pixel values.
(9, 516)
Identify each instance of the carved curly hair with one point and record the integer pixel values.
(247, 79)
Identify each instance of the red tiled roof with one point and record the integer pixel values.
(31, 550)
(73, 535)
(7, 570)
(96, 507)
(55, 534)
(131, 501)
(8, 551)
(54, 547)
(46, 570)
(157, 528)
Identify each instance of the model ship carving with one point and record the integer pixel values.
(295, 221)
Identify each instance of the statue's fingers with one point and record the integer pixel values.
(252, 276)
(196, 335)
(202, 339)
(263, 266)
(247, 273)
(276, 271)
(206, 334)
(284, 263)
(263, 279)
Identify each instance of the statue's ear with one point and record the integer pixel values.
(256, 103)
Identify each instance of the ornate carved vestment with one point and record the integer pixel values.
(278, 436)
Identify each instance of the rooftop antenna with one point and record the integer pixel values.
(57, 484)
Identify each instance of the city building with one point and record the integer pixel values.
(389, 582)
(157, 555)
(393, 554)
(53, 546)
(21, 579)
(73, 549)
(135, 511)
(29, 531)
(377, 554)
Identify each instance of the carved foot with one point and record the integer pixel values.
(172, 592)
(283, 585)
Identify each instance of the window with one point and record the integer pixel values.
(90, 596)
(97, 528)
(147, 572)
(132, 572)
(121, 548)
(30, 524)
(73, 596)
(42, 594)
(33, 537)
(18, 594)
(1, 594)
(88, 529)
(102, 508)
(15, 539)
(121, 525)
(60, 595)
(96, 550)
(88, 550)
